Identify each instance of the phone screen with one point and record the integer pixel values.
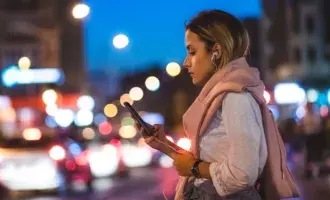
(149, 129)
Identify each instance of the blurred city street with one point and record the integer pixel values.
(68, 66)
(143, 183)
(149, 183)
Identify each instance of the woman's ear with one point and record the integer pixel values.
(216, 50)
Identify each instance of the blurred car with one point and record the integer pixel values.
(43, 164)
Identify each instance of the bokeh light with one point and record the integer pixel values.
(26, 115)
(126, 121)
(165, 161)
(136, 93)
(24, 63)
(50, 122)
(86, 102)
(312, 95)
(141, 142)
(184, 143)
(105, 128)
(126, 98)
(120, 41)
(110, 110)
(32, 134)
(8, 115)
(324, 110)
(127, 132)
(300, 112)
(51, 109)
(267, 96)
(84, 118)
(99, 118)
(173, 69)
(9, 76)
(152, 83)
(80, 11)
(88, 133)
(64, 117)
(49, 97)
(57, 152)
(289, 93)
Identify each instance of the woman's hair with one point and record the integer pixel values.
(216, 26)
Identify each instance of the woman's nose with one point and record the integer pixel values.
(185, 63)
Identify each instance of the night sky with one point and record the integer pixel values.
(155, 29)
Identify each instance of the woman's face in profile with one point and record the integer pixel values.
(198, 60)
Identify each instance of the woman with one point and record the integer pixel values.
(224, 123)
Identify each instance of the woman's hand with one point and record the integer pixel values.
(183, 162)
(156, 140)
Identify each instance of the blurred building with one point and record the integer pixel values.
(310, 40)
(46, 33)
(252, 25)
(273, 46)
(295, 40)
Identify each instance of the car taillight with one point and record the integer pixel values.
(57, 152)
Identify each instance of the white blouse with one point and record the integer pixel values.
(234, 144)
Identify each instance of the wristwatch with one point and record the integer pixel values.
(195, 170)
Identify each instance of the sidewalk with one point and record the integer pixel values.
(318, 188)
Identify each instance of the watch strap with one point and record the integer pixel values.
(195, 170)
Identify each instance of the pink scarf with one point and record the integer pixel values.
(236, 76)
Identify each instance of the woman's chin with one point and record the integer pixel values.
(196, 82)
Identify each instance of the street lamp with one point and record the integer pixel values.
(80, 11)
(120, 41)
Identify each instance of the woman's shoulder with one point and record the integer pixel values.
(239, 99)
(242, 102)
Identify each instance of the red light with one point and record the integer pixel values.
(71, 166)
(57, 152)
(324, 111)
(115, 142)
(105, 128)
(82, 159)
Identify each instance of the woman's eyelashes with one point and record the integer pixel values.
(191, 53)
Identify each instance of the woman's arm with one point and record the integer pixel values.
(204, 170)
(242, 122)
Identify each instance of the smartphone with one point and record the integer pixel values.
(147, 127)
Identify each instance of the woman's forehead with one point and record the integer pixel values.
(191, 39)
